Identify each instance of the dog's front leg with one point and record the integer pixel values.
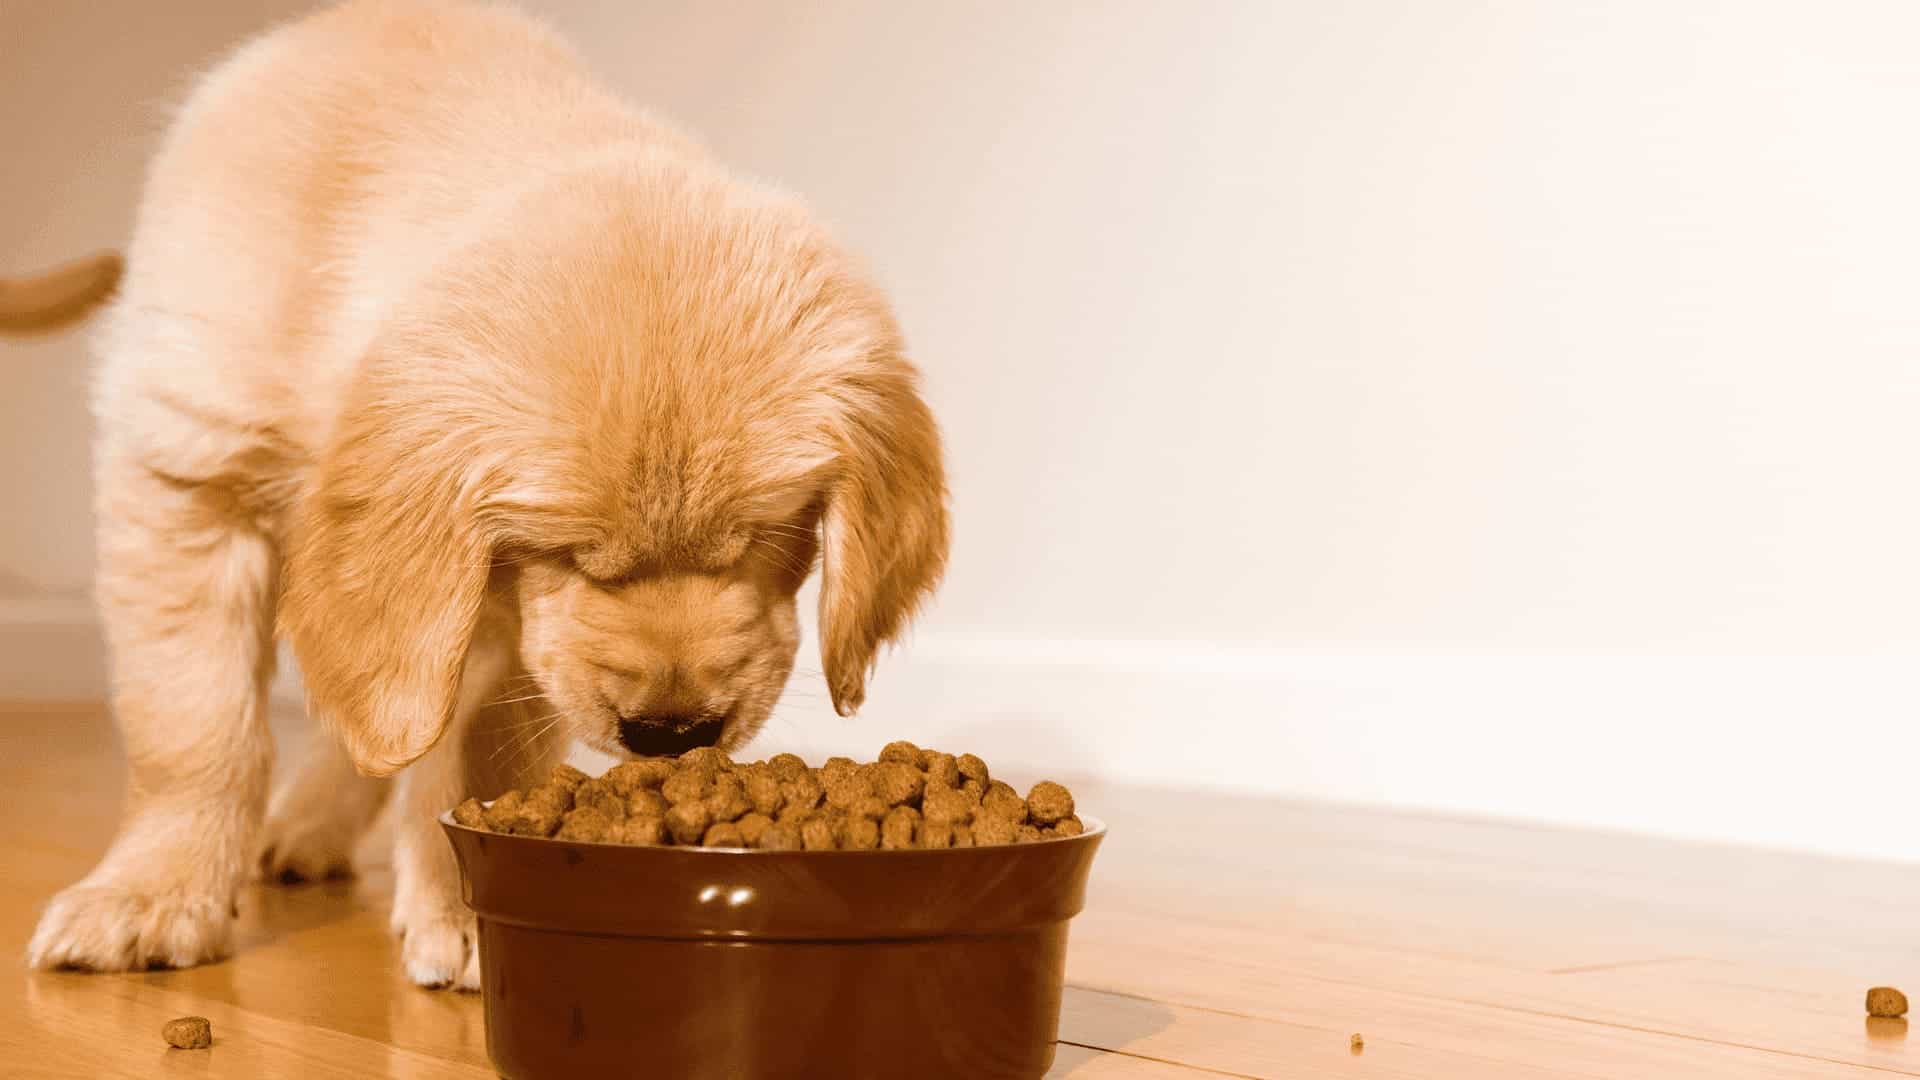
(187, 591)
(491, 745)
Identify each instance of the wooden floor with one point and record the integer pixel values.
(1222, 938)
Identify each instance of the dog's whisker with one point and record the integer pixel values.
(522, 744)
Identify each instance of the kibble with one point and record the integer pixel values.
(724, 834)
(729, 800)
(188, 1033)
(587, 824)
(818, 834)
(688, 785)
(943, 770)
(566, 775)
(752, 826)
(780, 837)
(973, 769)
(471, 813)
(647, 804)
(645, 775)
(946, 805)
(910, 797)
(1048, 803)
(902, 751)
(1001, 801)
(898, 828)
(787, 766)
(860, 834)
(601, 796)
(1885, 1001)
(688, 822)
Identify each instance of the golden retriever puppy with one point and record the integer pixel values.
(516, 414)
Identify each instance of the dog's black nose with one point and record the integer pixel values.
(662, 735)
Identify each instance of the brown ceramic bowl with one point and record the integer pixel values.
(690, 963)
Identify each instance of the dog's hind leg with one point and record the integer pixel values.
(187, 591)
(318, 814)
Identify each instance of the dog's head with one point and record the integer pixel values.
(623, 442)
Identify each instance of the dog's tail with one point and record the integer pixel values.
(57, 297)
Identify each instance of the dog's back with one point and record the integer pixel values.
(313, 179)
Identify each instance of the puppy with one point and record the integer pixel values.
(516, 414)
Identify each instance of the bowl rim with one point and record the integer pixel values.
(1093, 827)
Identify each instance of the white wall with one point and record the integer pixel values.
(1502, 410)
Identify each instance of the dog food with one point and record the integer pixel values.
(907, 798)
(188, 1033)
(1885, 1001)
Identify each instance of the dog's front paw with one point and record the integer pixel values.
(439, 947)
(114, 928)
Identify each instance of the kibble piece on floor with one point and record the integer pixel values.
(724, 834)
(819, 834)
(902, 751)
(188, 1033)
(1885, 1001)
(1356, 1044)
(688, 822)
(647, 775)
(471, 814)
(586, 824)
(1001, 801)
(1048, 802)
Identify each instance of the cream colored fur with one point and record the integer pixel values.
(511, 410)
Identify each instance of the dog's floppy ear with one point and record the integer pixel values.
(386, 571)
(884, 534)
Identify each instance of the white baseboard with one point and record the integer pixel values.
(1808, 753)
